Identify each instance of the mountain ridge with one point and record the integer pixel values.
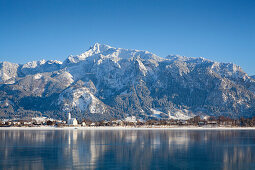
(106, 82)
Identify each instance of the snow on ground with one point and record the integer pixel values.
(176, 114)
(179, 115)
(31, 64)
(156, 113)
(37, 76)
(128, 128)
(81, 98)
(66, 77)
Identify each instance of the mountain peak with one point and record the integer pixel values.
(93, 50)
(97, 48)
(102, 51)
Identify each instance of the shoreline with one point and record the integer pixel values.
(127, 128)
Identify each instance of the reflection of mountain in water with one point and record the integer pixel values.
(129, 149)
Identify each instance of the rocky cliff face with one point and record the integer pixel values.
(106, 82)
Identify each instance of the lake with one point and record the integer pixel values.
(127, 149)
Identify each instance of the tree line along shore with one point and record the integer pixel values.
(196, 121)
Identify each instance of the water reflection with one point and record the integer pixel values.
(127, 149)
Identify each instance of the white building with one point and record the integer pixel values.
(71, 121)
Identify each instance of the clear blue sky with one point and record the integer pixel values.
(220, 30)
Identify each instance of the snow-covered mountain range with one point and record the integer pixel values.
(106, 82)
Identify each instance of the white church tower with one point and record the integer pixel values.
(71, 121)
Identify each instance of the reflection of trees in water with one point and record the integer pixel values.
(236, 158)
(136, 149)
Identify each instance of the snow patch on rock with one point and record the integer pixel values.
(82, 99)
(8, 71)
(37, 76)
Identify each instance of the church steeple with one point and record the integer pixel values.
(71, 121)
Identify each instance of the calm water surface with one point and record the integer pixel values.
(127, 149)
